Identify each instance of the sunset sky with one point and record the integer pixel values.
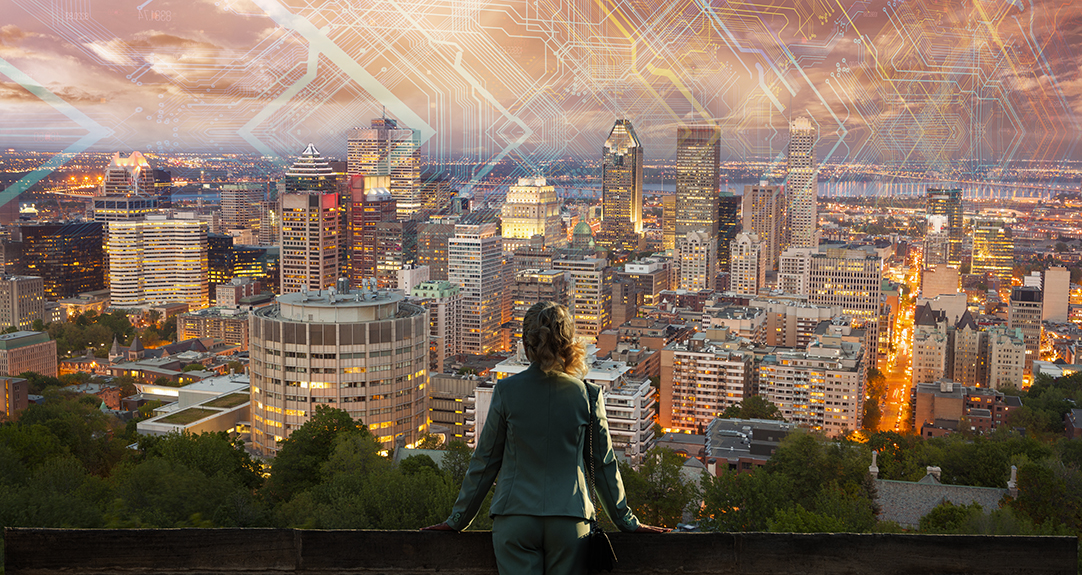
(917, 82)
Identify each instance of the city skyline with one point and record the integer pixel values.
(267, 78)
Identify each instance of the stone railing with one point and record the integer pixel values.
(274, 551)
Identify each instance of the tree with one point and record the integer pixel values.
(457, 461)
(298, 465)
(658, 492)
(754, 407)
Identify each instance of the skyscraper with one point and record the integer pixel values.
(729, 225)
(157, 261)
(69, 257)
(240, 204)
(310, 218)
(1024, 313)
(747, 272)
(697, 254)
(668, 222)
(948, 202)
(993, 252)
(936, 242)
(698, 161)
(475, 263)
(763, 212)
(385, 149)
(532, 208)
(1057, 292)
(802, 185)
(371, 203)
(311, 173)
(127, 190)
(621, 189)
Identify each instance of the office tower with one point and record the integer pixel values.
(158, 261)
(531, 209)
(386, 149)
(436, 196)
(1056, 292)
(941, 280)
(668, 222)
(1006, 357)
(309, 257)
(69, 257)
(443, 300)
(591, 294)
(698, 161)
(475, 263)
(432, 245)
(362, 351)
(849, 279)
(221, 262)
(729, 225)
(270, 223)
(948, 202)
(650, 276)
(821, 388)
(700, 377)
(22, 301)
(1025, 313)
(258, 263)
(621, 189)
(802, 186)
(127, 190)
(936, 242)
(311, 173)
(747, 271)
(993, 252)
(371, 203)
(533, 286)
(697, 254)
(396, 250)
(240, 205)
(793, 268)
(763, 212)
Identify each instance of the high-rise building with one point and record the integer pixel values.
(697, 254)
(591, 294)
(240, 205)
(668, 222)
(443, 300)
(621, 189)
(802, 185)
(940, 280)
(948, 202)
(370, 204)
(158, 260)
(937, 242)
(993, 252)
(700, 377)
(650, 276)
(970, 353)
(127, 190)
(385, 149)
(432, 245)
(270, 223)
(852, 280)
(533, 286)
(821, 388)
(763, 212)
(930, 345)
(475, 263)
(1025, 313)
(531, 209)
(1006, 357)
(729, 225)
(22, 301)
(747, 267)
(1057, 293)
(221, 262)
(793, 268)
(698, 164)
(311, 173)
(396, 250)
(69, 257)
(363, 351)
(309, 257)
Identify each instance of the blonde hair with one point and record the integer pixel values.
(548, 334)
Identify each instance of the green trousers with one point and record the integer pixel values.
(532, 545)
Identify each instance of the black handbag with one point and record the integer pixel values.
(599, 554)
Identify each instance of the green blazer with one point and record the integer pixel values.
(535, 440)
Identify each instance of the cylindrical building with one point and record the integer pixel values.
(361, 351)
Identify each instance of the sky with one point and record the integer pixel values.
(925, 85)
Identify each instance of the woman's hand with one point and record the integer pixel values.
(438, 527)
(651, 529)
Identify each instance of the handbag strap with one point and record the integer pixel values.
(590, 461)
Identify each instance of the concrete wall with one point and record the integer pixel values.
(257, 551)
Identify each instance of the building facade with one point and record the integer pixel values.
(443, 300)
(993, 252)
(802, 185)
(820, 388)
(591, 294)
(700, 377)
(948, 202)
(698, 161)
(697, 256)
(387, 149)
(621, 189)
(309, 253)
(475, 263)
(228, 325)
(531, 209)
(763, 212)
(158, 261)
(24, 351)
(747, 264)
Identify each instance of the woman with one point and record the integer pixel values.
(535, 438)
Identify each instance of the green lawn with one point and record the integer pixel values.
(187, 416)
(228, 401)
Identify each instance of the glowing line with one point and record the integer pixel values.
(95, 132)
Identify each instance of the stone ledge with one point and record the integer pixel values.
(276, 551)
